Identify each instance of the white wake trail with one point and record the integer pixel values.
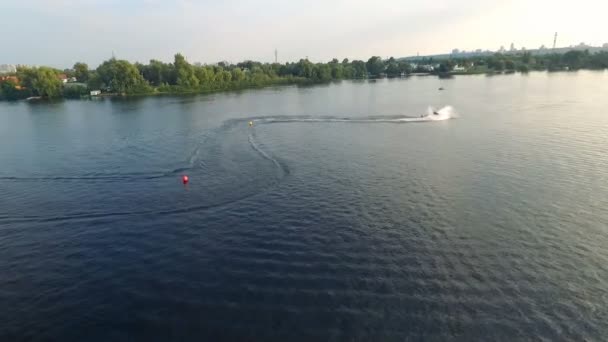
(442, 114)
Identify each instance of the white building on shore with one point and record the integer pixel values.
(7, 69)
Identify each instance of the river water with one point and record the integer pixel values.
(341, 214)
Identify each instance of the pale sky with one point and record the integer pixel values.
(61, 32)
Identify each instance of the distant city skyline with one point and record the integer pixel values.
(61, 32)
(514, 48)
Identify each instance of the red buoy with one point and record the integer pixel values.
(185, 180)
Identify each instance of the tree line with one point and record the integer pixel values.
(116, 76)
(523, 62)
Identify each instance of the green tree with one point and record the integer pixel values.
(248, 65)
(337, 71)
(498, 64)
(509, 64)
(599, 60)
(122, 77)
(26, 75)
(275, 69)
(205, 75)
(43, 81)
(81, 72)
(269, 70)
(359, 69)
(392, 68)
(47, 83)
(375, 66)
(157, 73)
(323, 73)
(446, 66)
(349, 71)
(553, 62)
(306, 69)
(523, 68)
(237, 75)
(185, 73)
(10, 92)
(257, 77)
(74, 91)
(405, 67)
(574, 59)
(224, 77)
(95, 82)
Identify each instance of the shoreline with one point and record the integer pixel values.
(115, 77)
(157, 92)
(289, 82)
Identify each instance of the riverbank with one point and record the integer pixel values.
(285, 81)
(115, 76)
(176, 90)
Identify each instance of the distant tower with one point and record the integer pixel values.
(276, 56)
(554, 40)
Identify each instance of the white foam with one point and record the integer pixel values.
(444, 113)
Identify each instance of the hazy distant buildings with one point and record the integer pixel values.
(7, 69)
(461, 53)
(542, 50)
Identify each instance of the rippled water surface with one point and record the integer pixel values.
(340, 215)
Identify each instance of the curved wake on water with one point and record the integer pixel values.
(200, 160)
(442, 114)
(107, 177)
(283, 170)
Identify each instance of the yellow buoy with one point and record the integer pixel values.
(250, 123)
